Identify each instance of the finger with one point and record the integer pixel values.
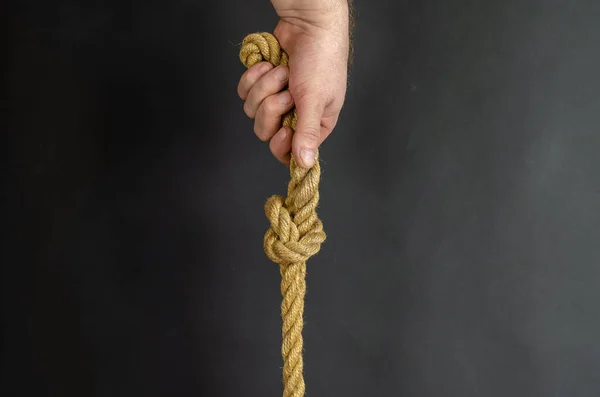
(268, 116)
(281, 145)
(251, 76)
(271, 83)
(308, 130)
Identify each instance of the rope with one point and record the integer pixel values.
(296, 233)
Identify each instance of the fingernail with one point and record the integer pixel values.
(285, 97)
(281, 73)
(308, 157)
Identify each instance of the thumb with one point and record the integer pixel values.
(308, 130)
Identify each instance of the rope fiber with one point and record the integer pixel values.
(296, 233)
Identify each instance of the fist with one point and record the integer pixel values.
(315, 35)
(263, 88)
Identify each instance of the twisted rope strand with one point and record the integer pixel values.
(296, 233)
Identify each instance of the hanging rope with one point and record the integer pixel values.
(296, 233)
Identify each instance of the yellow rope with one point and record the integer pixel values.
(296, 233)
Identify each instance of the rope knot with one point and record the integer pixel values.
(284, 243)
(258, 47)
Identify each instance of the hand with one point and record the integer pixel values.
(315, 34)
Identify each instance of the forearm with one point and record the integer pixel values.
(319, 5)
(325, 14)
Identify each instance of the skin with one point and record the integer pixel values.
(315, 34)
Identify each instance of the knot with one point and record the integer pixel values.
(287, 242)
(258, 47)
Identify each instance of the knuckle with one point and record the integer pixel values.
(242, 86)
(251, 77)
(311, 134)
(240, 91)
(242, 83)
(248, 110)
(245, 84)
(259, 131)
(261, 68)
(301, 92)
(254, 73)
(261, 91)
(275, 79)
(259, 126)
(311, 93)
(278, 152)
(270, 106)
(307, 86)
(275, 151)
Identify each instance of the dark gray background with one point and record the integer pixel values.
(460, 194)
